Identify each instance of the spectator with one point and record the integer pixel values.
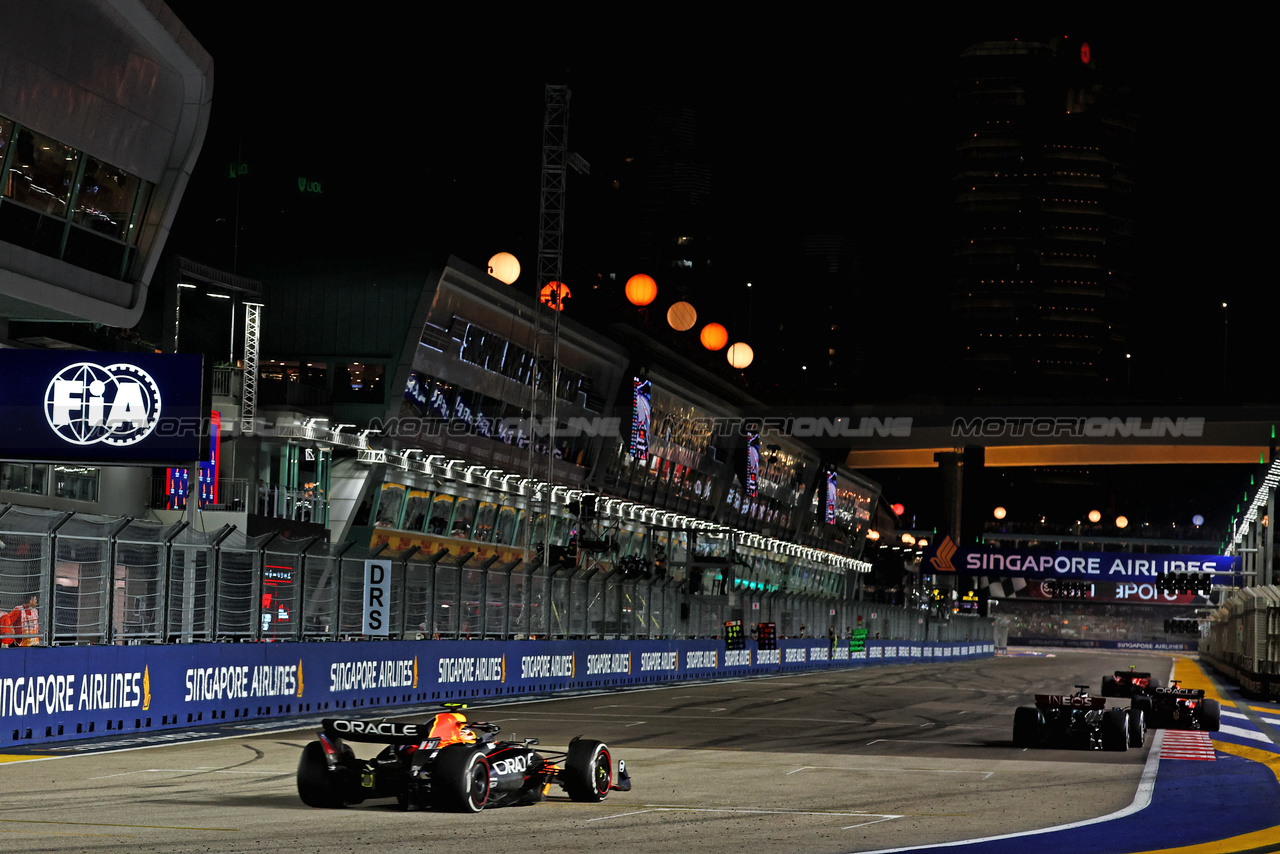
(23, 621)
(831, 636)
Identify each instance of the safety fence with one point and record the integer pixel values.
(64, 693)
(121, 581)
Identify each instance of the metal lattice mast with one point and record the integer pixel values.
(249, 384)
(546, 324)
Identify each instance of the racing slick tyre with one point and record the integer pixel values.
(1210, 715)
(317, 785)
(1114, 731)
(1109, 687)
(588, 770)
(1026, 727)
(460, 779)
(1137, 727)
(1142, 705)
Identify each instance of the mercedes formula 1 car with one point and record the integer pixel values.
(1129, 683)
(1182, 708)
(449, 763)
(1077, 720)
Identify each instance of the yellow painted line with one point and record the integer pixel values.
(1273, 710)
(15, 757)
(1190, 674)
(1259, 838)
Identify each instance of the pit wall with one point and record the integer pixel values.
(65, 693)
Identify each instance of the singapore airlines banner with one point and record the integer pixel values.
(77, 406)
(1118, 567)
(64, 693)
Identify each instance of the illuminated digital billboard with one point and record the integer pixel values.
(104, 408)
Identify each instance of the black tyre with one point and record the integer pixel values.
(317, 785)
(460, 779)
(1137, 727)
(1210, 716)
(1144, 705)
(588, 770)
(1114, 730)
(1026, 727)
(1109, 687)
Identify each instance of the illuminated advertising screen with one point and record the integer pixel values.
(830, 514)
(105, 408)
(753, 465)
(641, 418)
(178, 479)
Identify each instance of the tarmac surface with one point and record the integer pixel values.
(875, 758)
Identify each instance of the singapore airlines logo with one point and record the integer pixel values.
(942, 560)
(117, 404)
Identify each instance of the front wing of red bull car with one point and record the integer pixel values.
(465, 776)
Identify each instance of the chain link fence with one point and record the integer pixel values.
(100, 580)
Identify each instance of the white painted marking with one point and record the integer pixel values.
(801, 768)
(1141, 800)
(637, 723)
(1246, 733)
(878, 817)
(1227, 714)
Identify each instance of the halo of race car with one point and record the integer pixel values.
(449, 763)
(1083, 721)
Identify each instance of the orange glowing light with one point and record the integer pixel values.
(554, 294)
(714, 336)
(641, 289)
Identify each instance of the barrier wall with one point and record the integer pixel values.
(1082, 643)
(62, 693)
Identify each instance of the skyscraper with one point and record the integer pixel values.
(1043, 266)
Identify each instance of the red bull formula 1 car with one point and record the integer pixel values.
(449, 763)
(1077, 721)
(1182, 708)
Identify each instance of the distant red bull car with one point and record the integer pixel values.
(1183, 708)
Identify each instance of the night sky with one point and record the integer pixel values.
(808, 123)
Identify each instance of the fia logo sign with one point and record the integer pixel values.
(116, 405)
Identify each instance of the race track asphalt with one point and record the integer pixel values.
(879, 758)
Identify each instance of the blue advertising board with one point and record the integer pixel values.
(61, 693)
(76, 406)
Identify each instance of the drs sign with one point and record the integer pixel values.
(377, 597)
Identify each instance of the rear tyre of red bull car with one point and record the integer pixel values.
(588, 770)
(319, 785)
(1210, 715)
(460, 779)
